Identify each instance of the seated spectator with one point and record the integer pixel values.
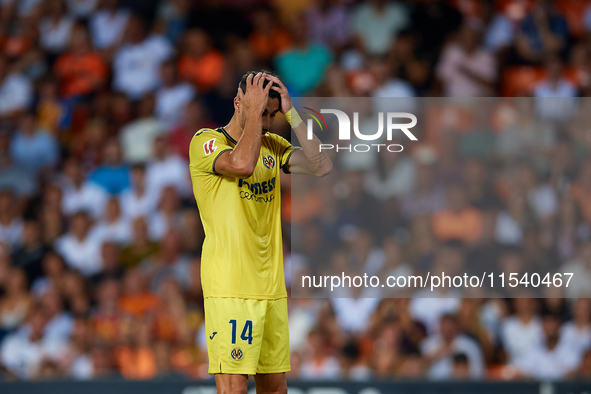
(576, 334)
(80, 194)
(424, 197)
(11, 225)
(113, 173)
(268, 39)
(303, 67)
(81, 70)
(137, 300)
(584, 370)
(34, 149)
(16, 92)
(137, 137)
(172, 97)
(580, 191)
(17, 301)
(52, 112)
(194, 117)
(466, 68)
(458, 221)
(200, 63)
(167, 217)
(141, 247)
(60, 323)
(136, 201)
(22, 353)
(321, 364)
(329, 23)
(174, 17)
(521, 332)
(29, 255)
(136, 66)
(388, 85)
(441, 348)
(136, 358)
(555, 96)
(113, 227)
(108, 24)
(168, 263)
(376, 24)
(550, 359)
(54, 268)
(79, 246)
(542, 31)
(107, 318)
(167, 169)
(56, 28)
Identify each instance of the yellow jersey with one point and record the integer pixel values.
(242, 253)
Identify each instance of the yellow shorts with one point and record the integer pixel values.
(247, 337)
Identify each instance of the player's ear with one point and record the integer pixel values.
(237, 103)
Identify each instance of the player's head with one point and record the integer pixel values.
(273, 104)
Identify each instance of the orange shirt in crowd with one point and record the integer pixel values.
(204, 72)
(465, 226)
(80, 74)
(139, 304)
(266, 47)
(136, 363)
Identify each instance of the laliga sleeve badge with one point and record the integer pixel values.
(237, 353)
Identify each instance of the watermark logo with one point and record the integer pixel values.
(389, 122)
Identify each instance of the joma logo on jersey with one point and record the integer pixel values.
(209, 147)
(268, 161)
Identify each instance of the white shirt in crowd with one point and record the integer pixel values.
(543, 200)
(429, 310)
(574, 338)
(118, 232)
(24, 357)
(443, 368)
(353, 314)
(107, 28)
(16, 93)
(455, 82)
(329, 368)
(543, 363)
(378, 30)
(137, 139)
(507, 229)
(13, 232)
(85, 255)
(172, 171)
(133, 206)
(556, 102)
(55, 37)
(519, 338)
(136, 67)
(171, 102)
(89, 197)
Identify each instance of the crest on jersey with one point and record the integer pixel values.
(268, 161)
(209, 147)
(237, 353)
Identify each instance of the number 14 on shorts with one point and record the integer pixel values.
(246, 331)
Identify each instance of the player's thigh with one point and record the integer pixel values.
(271, 383)
(275, 346)
(234, 329)
(231, 384)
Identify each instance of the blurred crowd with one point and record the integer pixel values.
(101, 238)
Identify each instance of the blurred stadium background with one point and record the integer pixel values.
(100, 236)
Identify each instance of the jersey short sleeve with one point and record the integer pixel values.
(206, 147)
(283, 149)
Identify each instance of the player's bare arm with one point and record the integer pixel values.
(309, 160)
(241, 161)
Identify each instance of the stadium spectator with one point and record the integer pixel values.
(137, 137)
(107, 25)
(80, 246)
(34, 149)
(172, 97)
(200, 63)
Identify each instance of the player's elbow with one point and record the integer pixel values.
(244, 170)
(324, 169)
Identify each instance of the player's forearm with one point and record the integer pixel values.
(317, 161)
(245, 155)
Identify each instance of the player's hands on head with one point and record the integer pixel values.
(282, 90)
(256, 96)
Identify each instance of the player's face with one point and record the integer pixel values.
(269, 113)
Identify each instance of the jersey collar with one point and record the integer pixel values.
(228, 136)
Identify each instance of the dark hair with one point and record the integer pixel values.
(272, 93)
(460, 358)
